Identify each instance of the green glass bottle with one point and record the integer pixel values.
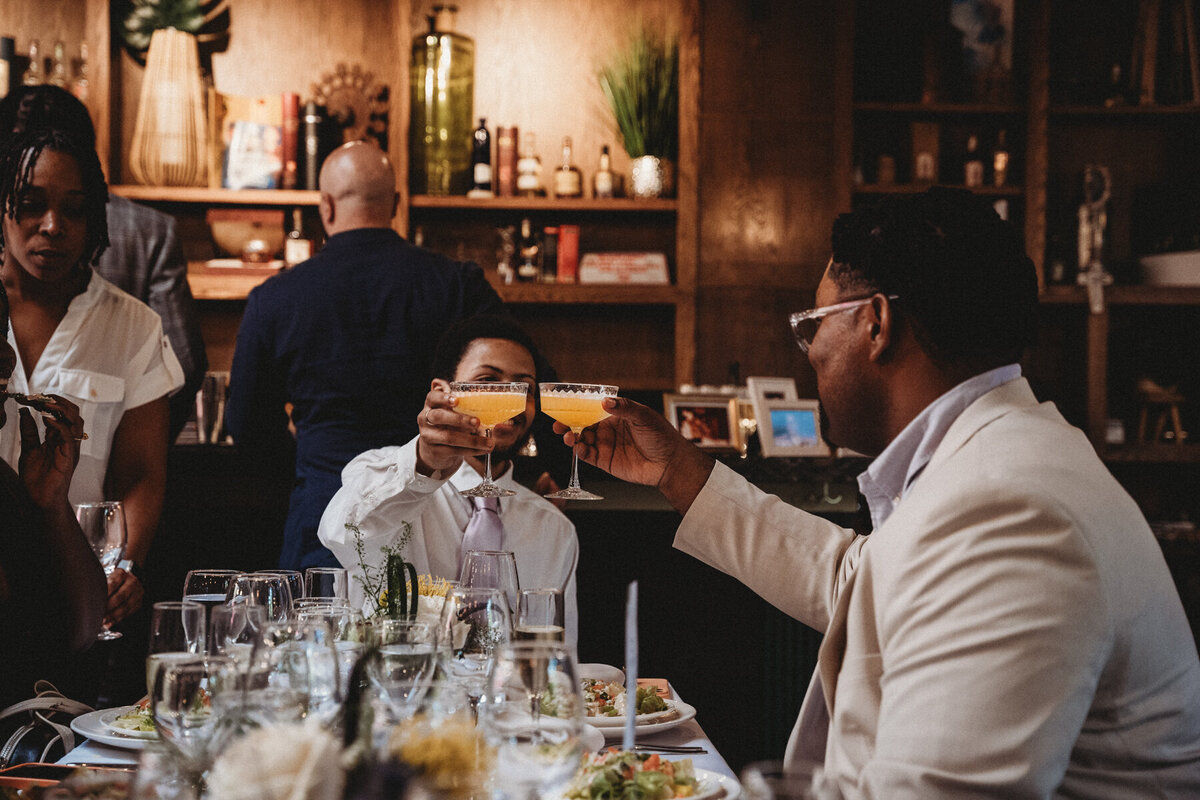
(442, 109)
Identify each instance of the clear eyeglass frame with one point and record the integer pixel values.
(805, 323)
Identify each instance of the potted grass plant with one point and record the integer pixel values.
(642, 90)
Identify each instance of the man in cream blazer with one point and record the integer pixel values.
(1010, 628)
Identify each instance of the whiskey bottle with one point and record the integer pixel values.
(529, 254)
(80, 85)
(1000, 160)
(602, 181)
(973, 165)
(529, 168)
(568, 181)
(481, 162)
(58, 66)
(296, 247)
(35, 71)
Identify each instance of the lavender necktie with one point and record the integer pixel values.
(485, 531)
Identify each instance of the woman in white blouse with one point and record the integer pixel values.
(78, 336)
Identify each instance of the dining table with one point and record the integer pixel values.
(688, 734)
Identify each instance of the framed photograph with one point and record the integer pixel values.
(788, 428)
(762, 390)
(709, 421)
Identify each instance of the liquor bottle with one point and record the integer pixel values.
(442, 105)
(58, 66)
(35, 71)
(529, 169)
(506, 161)
(8, 54)
(602, 181)
(1000, 160)
(973, 165)
(312, 144)
(296, 247)
(550, 254)
(481, 162)
(290, 139)
(568, 180)
(529, 254)
(81, 85)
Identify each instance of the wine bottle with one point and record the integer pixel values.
(296, 247)
(973, 165)
(312, 144)
(481, 162)
(35, 71)
(58, 66)
(529, 254)
(80, 85)
(568, 180)
(602, 181)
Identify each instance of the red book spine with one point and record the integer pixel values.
(568, 253)
(290, 143)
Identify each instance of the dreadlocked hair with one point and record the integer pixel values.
(18, 158)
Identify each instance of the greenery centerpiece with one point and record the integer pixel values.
(642, 90)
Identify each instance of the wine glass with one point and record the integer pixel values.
(272, 592)
(576, 405)
(177, 633)
(491, 404)
(191, 702)
(295, 580)
(208, 587)
(403, 666)
(293, 674)
(474, 621)
(327, 582)
(233, 629)
(540, 616)
(103, 525)
(533, 716)
(492, 569)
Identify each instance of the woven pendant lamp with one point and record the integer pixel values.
(169, 147)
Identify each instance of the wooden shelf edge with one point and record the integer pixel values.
(942, 108)
(1151, 454)
(1123, 112)
(198, 194)
(596, 294)
(224, 284)
(917, 188)
(622, 204)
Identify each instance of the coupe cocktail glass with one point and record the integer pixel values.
(491, 404)
(576, 405)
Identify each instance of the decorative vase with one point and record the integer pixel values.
(652, 177)
(169, 146)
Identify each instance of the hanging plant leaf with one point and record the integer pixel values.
(135, 21)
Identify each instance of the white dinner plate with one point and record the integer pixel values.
(97, 726)
(647, 724)
(593, 739)
(602, 672)
(712, 785)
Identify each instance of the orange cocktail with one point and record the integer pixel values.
(491, 404)
(576, 405)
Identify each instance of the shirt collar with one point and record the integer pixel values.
(889, 476)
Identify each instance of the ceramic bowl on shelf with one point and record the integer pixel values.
(1171, 269)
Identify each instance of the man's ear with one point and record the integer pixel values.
(326, 209)
(885, 329)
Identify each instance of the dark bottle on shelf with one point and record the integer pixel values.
(1000, 158)
(481, 162)
(550, 254)
(529, 254)
(973, 164)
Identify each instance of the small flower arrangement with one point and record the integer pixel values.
(389, 586)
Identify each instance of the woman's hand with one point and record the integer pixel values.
(125, 593)
(47, 465)
(446, 437)
(639, 445)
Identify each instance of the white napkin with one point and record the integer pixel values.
(280, 762)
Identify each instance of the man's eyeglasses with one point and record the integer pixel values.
(805, 323)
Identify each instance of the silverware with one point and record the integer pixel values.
(668, 748)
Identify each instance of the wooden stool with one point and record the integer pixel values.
(1166, 403)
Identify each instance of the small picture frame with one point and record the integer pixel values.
(763, 389)
(710, 422)
(790, 428)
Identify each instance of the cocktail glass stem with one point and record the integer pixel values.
(487, 460)
(575, 462)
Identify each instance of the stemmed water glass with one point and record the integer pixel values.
(533, 717)
(540, 616)
(177, 633)
(576, 405)
(402, 668)
(327, 582)
(208, 587)
(234, 628)
(293, 674)
(272, 592)
(103, 525)
(294, 578)
(491, 404)
(474, 622)
(492, 569)
(191, 702)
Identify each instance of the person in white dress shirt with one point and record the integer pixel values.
(420, 482)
